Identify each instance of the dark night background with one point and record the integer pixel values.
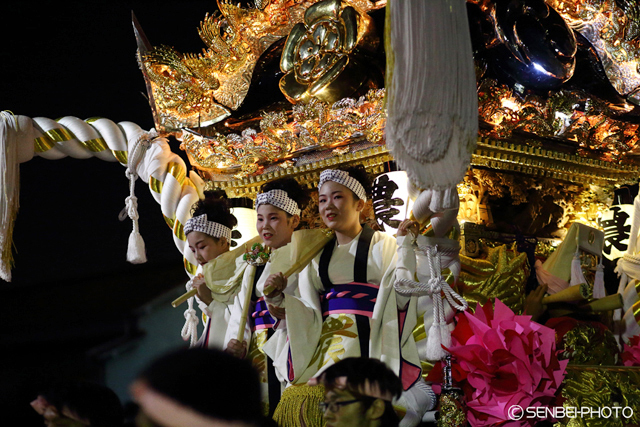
(73, 295)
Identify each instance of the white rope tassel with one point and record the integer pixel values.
(10, 190)
(598, 283)
(439, 333)
(432, 122)
(190, 328)
(136, 252)
(576, 270)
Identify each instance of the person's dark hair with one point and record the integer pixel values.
(217, 207)
(93, 402)
(359, 173)
(209, 381)
(296, 192)
(361, 371)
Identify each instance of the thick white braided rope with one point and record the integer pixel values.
(435, 284)
(190, 328)
(172, 186)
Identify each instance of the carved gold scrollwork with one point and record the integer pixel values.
(320, 58)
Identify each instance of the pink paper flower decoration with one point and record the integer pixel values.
(503, 359)
(631, 352)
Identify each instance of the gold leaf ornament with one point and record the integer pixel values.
(320, 55)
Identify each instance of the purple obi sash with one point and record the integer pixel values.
(349, 298)
(261, 317)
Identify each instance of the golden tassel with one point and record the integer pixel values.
(298, 407)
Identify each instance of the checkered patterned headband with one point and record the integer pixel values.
(213, 229)
(279, 199)
(342, 177)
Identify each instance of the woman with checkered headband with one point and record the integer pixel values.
(278, 207)
(210, 227)
(209, 232)
(347, 305)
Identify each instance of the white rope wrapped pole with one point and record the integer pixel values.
(22, 138)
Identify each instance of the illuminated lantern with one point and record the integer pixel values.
(391, 201)
(616, 223)
(245, 214)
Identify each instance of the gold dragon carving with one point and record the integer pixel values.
(196, 90)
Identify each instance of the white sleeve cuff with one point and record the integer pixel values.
(276, 301)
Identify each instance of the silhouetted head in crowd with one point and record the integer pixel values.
(359, 392)
(78, 404)
(198, 388)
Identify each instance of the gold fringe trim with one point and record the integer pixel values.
(298, 407)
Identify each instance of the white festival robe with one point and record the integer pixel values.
(281, 259)
(315, 344)
(223, 276)
(280, 331)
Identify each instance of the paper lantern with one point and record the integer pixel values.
(616, 223)
(246, 224)
(391, 201)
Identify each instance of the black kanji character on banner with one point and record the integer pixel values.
(615, 232)
(383, 201)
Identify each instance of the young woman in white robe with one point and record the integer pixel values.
(347, 305)
(208, 234)
(278, 208)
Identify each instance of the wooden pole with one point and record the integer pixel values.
(182, 298)
(572, 293)
(305, 259)
(247, 303)
(607, 303)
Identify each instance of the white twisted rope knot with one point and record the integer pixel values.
(190, 328)
(136, 250)
(439, 333)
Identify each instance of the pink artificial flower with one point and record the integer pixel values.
(631, 352)
(502, 359)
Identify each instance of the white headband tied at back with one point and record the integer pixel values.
(280, 199)
(202, 224)
(342, 177)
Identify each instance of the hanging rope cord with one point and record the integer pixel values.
(439, 334)
(136, 251)
(190, 328)
(436, 283)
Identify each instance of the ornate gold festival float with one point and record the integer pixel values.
(558, 87)
(291, 87)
